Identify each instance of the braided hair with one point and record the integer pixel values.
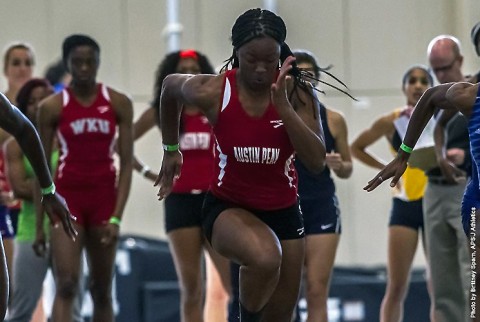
(305, 56)
(257, 23)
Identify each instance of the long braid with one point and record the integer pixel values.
(302, 56)
(256, 23)
(298, 79)
(301, 77)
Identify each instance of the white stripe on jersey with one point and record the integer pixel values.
(226, 94)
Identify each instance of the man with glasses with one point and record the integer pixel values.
(444, 234)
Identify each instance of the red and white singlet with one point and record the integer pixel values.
(196, 144)
(254, 158)
(86, 136)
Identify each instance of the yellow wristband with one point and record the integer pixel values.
(50, 190)
(115, 221)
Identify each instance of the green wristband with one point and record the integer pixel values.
(406, 148)
(50, 190)
(171, 147)
(115, 221)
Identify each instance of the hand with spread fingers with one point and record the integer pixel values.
(394, 169)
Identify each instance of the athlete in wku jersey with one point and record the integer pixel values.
(81, 130)
(86, 117)
(257, 127)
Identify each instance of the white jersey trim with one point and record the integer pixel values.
(66, 97)
(288, 164)
(105, 92)
(222, 164)
(227, 93)
(63, 155)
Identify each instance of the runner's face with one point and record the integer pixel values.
(83, 62)
(258, 62)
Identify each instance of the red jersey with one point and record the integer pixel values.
(254, 160)
(196, 144)
(86, 136)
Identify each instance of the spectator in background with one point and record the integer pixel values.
(444, 235)
(406, 217)
(86, 117)
(57, 74)
(319, 203)
(18, 64)
(183, 206)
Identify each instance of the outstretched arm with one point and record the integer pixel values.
(432, 98)
(14, 122)
(183, 89)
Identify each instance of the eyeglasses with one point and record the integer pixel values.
(444, 68)
(422, 80)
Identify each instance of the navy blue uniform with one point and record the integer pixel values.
(319, 204)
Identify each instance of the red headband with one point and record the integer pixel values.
(189, 53)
